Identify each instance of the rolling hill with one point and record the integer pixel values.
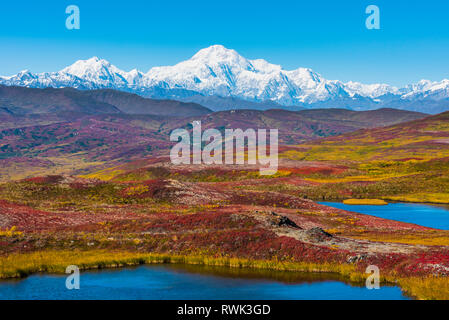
(404, 162)
(23, 101)
(425, 138)
(78, 143)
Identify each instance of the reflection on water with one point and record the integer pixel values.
(261, 274)
(191, 282)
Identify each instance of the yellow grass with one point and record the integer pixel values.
(376, 202)
(106, 174)
(439, 238)
(362, 178)
(442, 198)
(429, 288)
(364, 148)
(61, 165)
(10, 232)
(55, 261)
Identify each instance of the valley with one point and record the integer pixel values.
(96, 188)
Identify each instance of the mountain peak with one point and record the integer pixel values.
(218, 54)
(25, 71)
(93, 59)
(98, 73)
(92, 65)
(216, 50)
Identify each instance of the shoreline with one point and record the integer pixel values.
(386, 199)
(414, 288)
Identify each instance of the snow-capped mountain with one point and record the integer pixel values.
(220, 72)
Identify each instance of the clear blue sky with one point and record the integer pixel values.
(327, 36)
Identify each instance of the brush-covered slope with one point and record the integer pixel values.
(70, 142)
(133, 104)
(304, 125)
(22, 101)
(426, 138)
(404, 162)
(364, 119)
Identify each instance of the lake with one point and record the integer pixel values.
(184, 282)
(433, 216)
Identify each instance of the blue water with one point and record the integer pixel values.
(421, 214)
(166, 282)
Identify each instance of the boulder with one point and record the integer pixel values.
(318, 234)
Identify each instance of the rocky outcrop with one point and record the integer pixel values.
(318, 234)
(281, 221)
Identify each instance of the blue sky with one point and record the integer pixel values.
(328, 36)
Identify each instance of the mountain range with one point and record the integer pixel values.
(221, 79)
